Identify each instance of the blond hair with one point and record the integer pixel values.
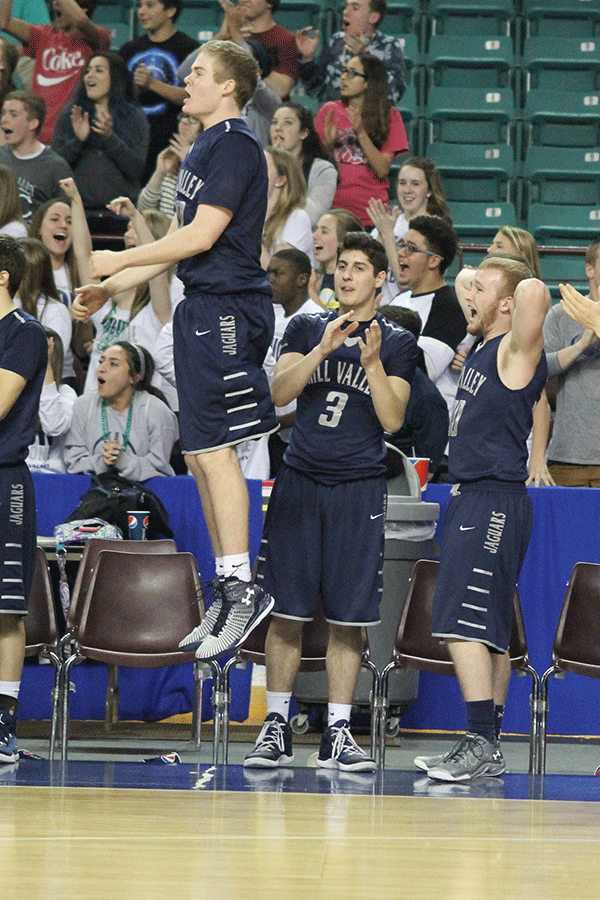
(525, 245)
(513, 271)
(292, 195)
(232, 61)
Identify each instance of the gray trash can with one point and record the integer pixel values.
(409, 536)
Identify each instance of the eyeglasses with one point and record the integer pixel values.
(352, 73)
(403, 247)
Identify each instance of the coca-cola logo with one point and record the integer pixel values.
(61, 61)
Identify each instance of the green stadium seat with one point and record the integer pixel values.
(563, 175)
(562, 18)
(295, 14)
(402, 18)
(474, 172)
(409, 110)
(477, 223)
(563, 225)
(571, 64)
(565, 119)
(120, 33)
(563, 268)
(203, 15)
(472, 60)
(481, 17)
(470, 115)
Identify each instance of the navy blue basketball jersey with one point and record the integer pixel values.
(226, 167)
(337, 435)
(490, 423)
(24, 350)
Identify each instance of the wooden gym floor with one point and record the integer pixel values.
(102, 829)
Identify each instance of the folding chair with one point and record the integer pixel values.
(41, 633)
(136, 610)
(576, 645)
(416, 648)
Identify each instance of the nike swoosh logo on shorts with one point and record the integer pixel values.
(50, 82)
(378, 516)
(200, 333)
(466, 528)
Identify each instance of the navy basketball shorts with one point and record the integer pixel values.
(219, 345)
(19, 538)
(324, 540)
(486, 534)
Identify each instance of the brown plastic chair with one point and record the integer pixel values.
(136, 610)
(416, 648)
(576, 646)
(314, 649)
(41, 633)
(85, 571)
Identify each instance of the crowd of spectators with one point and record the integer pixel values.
(91, 137)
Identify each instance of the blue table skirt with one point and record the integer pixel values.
(566, 530)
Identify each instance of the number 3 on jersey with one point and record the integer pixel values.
(336, 402)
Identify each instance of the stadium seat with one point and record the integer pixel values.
(475, 223)
(476, 61)
(402, 18)
(563, 268)
(561, 18)
(571, 64)
(120, 33)
(470, 115)
(475, 173)
(408, 107)
(295, 14)
(563, 225)
(565, 175)
(481, 17)
(565, 119)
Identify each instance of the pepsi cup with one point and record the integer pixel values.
(137, 521)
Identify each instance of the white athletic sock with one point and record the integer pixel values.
(337, 711)
(237, 566)
(279, 702)
(220, 566)
(10, 688)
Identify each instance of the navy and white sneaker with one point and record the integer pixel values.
(273, 745)
(191, 643)
(8, 737)
(339, 750)
(244, 607)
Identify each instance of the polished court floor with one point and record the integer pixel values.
(106, 825)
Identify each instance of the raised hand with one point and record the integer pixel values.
(370, 347)
(584, 310)
(104, 263)
(69, 187)
(307, 44)
(88, 299)
(142, 76)
(102, 123)
(122, 206)
(81, 123)
(335, 334)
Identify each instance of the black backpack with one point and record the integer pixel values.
(111, 496)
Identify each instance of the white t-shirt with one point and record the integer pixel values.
(112, 324)
(297, 232)
(14, 229)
